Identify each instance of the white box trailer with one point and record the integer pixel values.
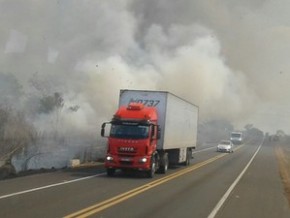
(178, 120)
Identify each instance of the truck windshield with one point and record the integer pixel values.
(129, 132)
(236, 135)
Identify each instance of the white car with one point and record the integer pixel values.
(225, 146)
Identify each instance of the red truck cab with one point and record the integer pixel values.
(132, 139)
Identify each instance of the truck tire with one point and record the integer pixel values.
(111, 172)
(164, 163)
(188, 157)
(151, 172)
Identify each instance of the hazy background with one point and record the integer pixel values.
(62, 62)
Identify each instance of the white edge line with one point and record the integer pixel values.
(226, 195)
(49, 186)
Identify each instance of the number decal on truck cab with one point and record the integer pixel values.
(146, 102)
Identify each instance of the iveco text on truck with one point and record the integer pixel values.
(149, 131)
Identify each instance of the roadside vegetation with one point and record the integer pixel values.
(16, 134)
(33, 134)
(282, 149)
(23, 147)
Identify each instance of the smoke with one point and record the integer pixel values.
(230, 58)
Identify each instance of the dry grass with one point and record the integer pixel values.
(282, 150)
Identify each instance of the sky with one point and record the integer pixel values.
(231, 58)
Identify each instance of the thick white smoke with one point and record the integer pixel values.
(229, 58)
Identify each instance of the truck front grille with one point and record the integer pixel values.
(126, 163)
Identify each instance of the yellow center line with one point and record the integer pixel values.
(124, 196)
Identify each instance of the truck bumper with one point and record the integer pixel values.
(141, 163)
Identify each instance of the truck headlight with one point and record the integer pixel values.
(109, 158)
(143, 160)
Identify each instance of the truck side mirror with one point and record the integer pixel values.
(154, 133)
(158, 134)
(103, 129)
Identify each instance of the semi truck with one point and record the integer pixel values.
(149, 131)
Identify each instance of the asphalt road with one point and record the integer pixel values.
(245, 183)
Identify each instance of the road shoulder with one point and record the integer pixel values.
(260, 193)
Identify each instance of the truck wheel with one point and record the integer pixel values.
(164, 163)
(188, 156)
(151, 172)
(111, 172)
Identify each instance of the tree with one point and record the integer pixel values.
(51, 103)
